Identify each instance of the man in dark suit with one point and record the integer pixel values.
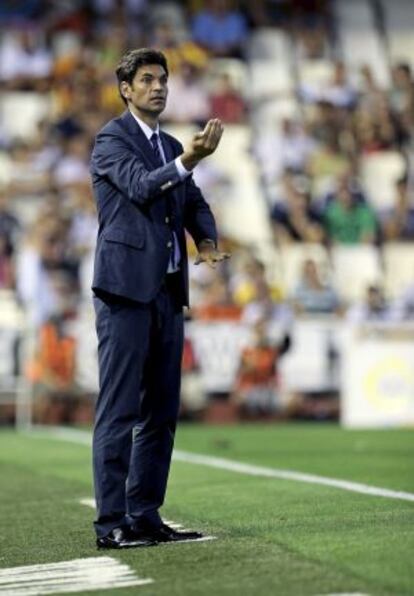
(146, 200)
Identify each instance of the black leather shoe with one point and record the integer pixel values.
(124, 538)
(167, 534)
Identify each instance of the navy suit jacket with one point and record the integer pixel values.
(134, 236)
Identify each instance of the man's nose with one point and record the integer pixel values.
(157, 85)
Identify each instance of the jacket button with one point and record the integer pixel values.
(169, 244)
(167, 220)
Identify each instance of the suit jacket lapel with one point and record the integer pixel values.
(138, 138)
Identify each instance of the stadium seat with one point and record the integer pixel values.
(401, 47)
(379, 173)
(398, 267)
(354, 14)
(267, 43)
(359, 40)
(235, 68)
(314, 72)
(354, 268)
(270, 113)
(31, 107)
(270, 76)
(399, 25)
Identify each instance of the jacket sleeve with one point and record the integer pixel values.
(198, 218)
(113, 158)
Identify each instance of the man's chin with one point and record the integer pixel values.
(155, 107)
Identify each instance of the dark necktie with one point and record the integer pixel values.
(156, 149)
(174, 259)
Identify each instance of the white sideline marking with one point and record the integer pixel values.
(251, 470)
(345, 594)
(91, 503)
(79, 575)
(83, 437)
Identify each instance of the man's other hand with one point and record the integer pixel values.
(208, 253)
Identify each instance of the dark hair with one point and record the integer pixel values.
(133, 60)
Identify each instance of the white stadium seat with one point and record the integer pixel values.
(31, 107)
(399, 267)
(270, 76)
(399, 23)
(379, 173)
(354, 269)
(314, 72)
(359, 38)
(267, 43)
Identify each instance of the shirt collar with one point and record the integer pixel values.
(147, 130)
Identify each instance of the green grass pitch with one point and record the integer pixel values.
(274, 537)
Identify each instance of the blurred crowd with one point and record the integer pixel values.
(309, 165)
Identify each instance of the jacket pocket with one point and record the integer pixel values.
(127, 237)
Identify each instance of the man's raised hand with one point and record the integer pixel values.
(203, 143)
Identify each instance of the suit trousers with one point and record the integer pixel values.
(139, 351)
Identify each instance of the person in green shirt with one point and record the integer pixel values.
(348, 221)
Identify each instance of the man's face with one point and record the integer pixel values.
(148, 90)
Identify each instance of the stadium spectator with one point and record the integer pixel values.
(246, 280)
(402, 308)
(46, 268)
(401, 95)
(226, 102)
(25, 177)
(349, 221)
(72, 166)
(295, 219)
(327, 163)
(398, 221)
(217, 302)
(312, 43)
(278, 314)
(132, 14)
(338, 91)
(368, 88)
(377, 128)
(312, 295)
(374, 307)
(20, 12)
(220, 29)
(10, 226)
(323, 122)
(83, 224)
(25, 62)
(256, 385)
(289, 147)
(178, 51)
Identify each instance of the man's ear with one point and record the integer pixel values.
(125, 90)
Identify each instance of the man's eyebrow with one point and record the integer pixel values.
(150, 74)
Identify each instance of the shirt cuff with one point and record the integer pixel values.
(182, 171)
